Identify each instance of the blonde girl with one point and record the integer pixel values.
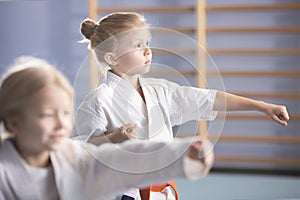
(120, 42)
(39, 161)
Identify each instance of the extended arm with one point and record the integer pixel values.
(230, 102)
(131, 163)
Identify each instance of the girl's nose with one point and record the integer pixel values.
(59, 123)
(147, 51)
(60, 120)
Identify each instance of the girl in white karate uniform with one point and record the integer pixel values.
(120, 42)
(39, 161)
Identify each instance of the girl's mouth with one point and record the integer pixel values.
(56, 137)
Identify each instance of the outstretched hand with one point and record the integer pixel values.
(277, 113)
(202, 150)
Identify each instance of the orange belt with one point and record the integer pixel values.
(145, 193)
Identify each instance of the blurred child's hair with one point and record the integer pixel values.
(24, 78)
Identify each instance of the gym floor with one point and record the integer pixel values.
(226, 186)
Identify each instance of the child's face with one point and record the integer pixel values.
(133, 53)
(45, 121)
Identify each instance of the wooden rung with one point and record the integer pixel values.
(257, 160)
(289, 74)
(293, 118)
(290, 95)
(173, 51)
(291, 52)
(247, 138)
(291, 29)
(278, 73)
(178, 29)
(263, 7)
(254, 51)
(162, 9)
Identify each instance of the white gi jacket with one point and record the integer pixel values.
(81, 174)
(115, 103)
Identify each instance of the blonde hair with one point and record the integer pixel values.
(107, 28)
(25, 78)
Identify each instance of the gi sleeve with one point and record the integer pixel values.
(136, 163)
(190, 103)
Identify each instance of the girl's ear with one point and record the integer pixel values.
(110, 59)
(12, 124)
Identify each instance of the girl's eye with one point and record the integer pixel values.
(138, 45)
(46, 115)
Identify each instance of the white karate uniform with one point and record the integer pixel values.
(115, 103)
(80, 173)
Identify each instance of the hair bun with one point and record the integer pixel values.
(87, 28)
